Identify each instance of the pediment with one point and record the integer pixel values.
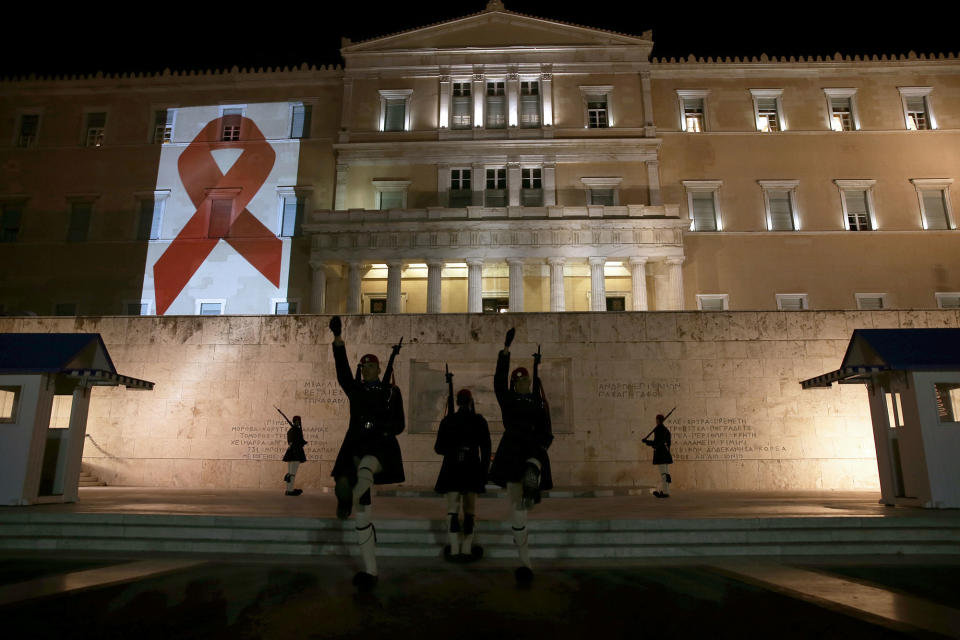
(495, 29)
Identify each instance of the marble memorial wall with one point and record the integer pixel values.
(741, 420)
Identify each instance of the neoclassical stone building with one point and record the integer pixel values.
(488, 163)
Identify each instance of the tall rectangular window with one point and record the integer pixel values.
(150, 215)
(531, 192)
(230, 125)
(934, 196)
(597, 112)
(79, 221)
(300, 116)
(9, 402)
(841, 114)
(461, 189)
(529, 104)
(95, 128)
(693, 115)
(220, 211)
(291, 216)
(917, 109)
(29, 126)
(495, 194)
(703, 205)
(395, 115)
(858, 210)
(779, 196)
(496, 105)
(768, 116)
(10, 221)
(461, 116)
(163, 125)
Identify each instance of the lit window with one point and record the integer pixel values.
(856, 197)
(79, 221)
(692, 110)
(596, 101)
(220, 212)
(150, 218)
(842, 109)
(394, 114)
(495, 194)
(27, 133)
(378, 304)
(948, 299)
(871, 301)
(288, 307)
(792, 302)
(496, 105)
(780, 198)
(461, 190)
(496, 305)
(713, 301)
(163, 125)
(230, 125)
(9, 403)
(917, 110)
(532, 187)
(529, 104)
(703, 204)
(10, 221)
(391, 194)
(461, 116)
(934, 197)
(766, 106)
(96, 126)
(300, 117)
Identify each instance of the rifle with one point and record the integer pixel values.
(388, 372)
(654, 429)
(449, 377)
(284, 415)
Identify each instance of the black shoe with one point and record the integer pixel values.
(523, 576)
(344, 498)
(365, 498)
(364, 581)
(295, 492)
(660, 494)
(476, 552)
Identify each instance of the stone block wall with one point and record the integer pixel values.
(742, 420)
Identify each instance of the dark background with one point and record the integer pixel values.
(86, 38)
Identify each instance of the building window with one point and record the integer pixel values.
(10, 221)
(703, 204)
(780, 201)
(596, 101)
(713, 301)
(529, 104)
(137, 308)
(856, 197)
(842, 109)
(496, 105)
(531, 193)
(94, 129)
(65, 309)
(602, 191)
(461, 117)
(220, 212)
(948, 299)
(28, 130)
(767, 110)
(378, 305)
(150, 218)
(616, 303)
(232, 118)
(291, 215)
(210, 307)
(9, 403)
(934, 197)
(394, 111)
(163, 120)
(871, 301)
(693, 115)
(79, 226)
(917, 110)
(300, 116)
(285, 307)
(792, 302)
(461, 190)
(495, 195)
(496, 305)
(391, 194)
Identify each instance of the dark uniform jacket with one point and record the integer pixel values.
(661, 445)
(295, 449)
(526, 430)
(463, 439)
(376, 417)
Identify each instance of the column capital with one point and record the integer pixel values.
(436, 263)
(641, 260)
(597, 260)
(395, 264)
(474, 262)
(512, 261)
(318, 265)
(556, 260)
(675, 260)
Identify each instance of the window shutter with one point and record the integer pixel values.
(704, 211)
(935, 209)
(391, 200)
(791, 303)
(395, 114)
(857, 211)
(781, 211)
(220, 211)
(292, 207)
(870, 303)
(496, 114)
(711, 304)
(210, 308)
(949, 301)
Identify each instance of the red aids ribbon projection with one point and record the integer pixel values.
(205, 184)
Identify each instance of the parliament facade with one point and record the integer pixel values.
(495, 162)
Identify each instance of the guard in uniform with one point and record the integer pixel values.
(370, 453)
(463, 439)
(661, 455)
(521, 463)
(294, 454)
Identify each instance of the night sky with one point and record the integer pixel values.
(151, 37)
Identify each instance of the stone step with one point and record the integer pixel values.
(88, 479)
(424, 538)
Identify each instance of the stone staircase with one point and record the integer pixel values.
(22, 529)
(88, 479)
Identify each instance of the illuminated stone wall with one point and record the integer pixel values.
(742, 421)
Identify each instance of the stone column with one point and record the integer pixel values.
(598, 287)
(474, 285)
(347, 113)
(513, 96)
(675, 273)
(479, 92)
(318, 292)
(354, 277)
(513, 184)
(649, 130)
(443, 185)
(546, 98)
(340, 195)
(549, 185)
(516, 284)
(394, 301)
(557, 296)
(478, 182)
(434, 287)
(444, 116)
(638, 274)
(653, 182)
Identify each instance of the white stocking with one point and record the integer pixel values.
(366, 469)
(366, 538)
(453, 515)
(292, 473)
(469, 506)
(664, 483)
(518, 521)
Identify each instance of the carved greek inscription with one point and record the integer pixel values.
(722, 438)
(321, 392)
(267, 440)
(638, 390)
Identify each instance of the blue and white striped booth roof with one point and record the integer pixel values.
(102, 377)
(846, 375)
